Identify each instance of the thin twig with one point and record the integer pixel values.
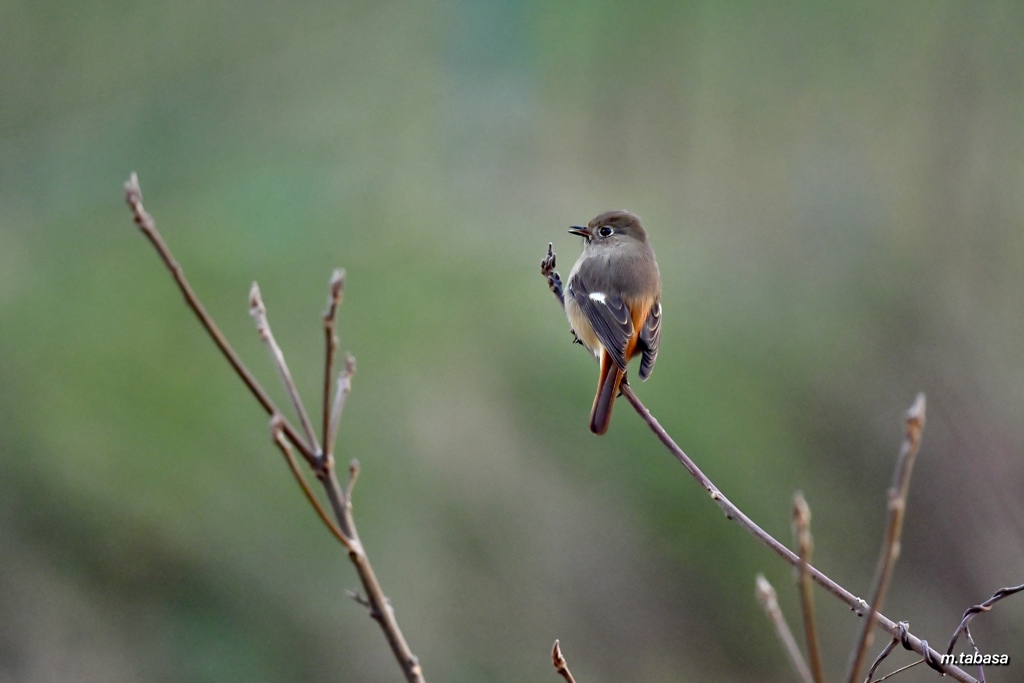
(145, 222)
(281, 441)
(805, 549)
(336, 289)
(769, 601)
(977, 653)
(380, 607)
(259, 314)
(978, 609)
(353, 474)
(901, 670)
(283, 433)
(904, 629)
(880, 658)
(858, 605)
(342, 387)
(965, 629)
(733, 513)
(913, 426)
(560, 666)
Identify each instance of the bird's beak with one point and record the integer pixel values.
(579, 230)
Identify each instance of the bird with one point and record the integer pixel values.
(613, 303)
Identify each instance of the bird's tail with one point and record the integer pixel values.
(607, 390)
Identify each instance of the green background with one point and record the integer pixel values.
(835, 192)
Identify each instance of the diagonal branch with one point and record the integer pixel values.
(911, 642)
(133, 196)
(259, 314)
(913, 426)
(805, 547)
(344, 386)
(336, 290)
(971, 612)
(886, 651)
(900, 670)
(283, 434)
(282, 443)
(769, 601)
(560, 665)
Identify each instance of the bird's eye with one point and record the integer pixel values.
(605, 231)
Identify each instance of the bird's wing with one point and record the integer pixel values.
(650, 338)
(608, 315)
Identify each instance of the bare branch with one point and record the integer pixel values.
(358, 597)
(343, 387)
(284, 434)
(972, 612)
(766, 596)
(858, 605)
(913, 426)
(145, 222)
(560, 666)
(901, 670)
(334, 297)
(353, 474)
(805, 548)
(881, 657)
(904, 629)
(277, 435)
(259, 314)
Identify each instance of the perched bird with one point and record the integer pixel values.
(613, 302)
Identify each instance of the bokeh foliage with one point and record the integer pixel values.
(834, 194)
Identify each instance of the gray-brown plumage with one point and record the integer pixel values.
(613, 302)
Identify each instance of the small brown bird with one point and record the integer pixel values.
(613, 302)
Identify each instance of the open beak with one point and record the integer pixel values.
(580, 230)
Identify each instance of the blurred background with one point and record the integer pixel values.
(834, 192)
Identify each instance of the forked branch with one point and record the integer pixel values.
(284, 435)
(804, 549)
(858, 605)
(913, 426)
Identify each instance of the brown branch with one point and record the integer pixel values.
(971, 612)
(805, 548)
(766, 596)
(259, 314)
(560, 666)
(322, 463)
(881, 657)
(901, 670)
(334, 297)
(913, 426)
(886, 651)
(911, 642)
(733, 513)
(344, 386)
(277, 435)
(133, 196)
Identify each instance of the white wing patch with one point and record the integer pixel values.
(598, 297)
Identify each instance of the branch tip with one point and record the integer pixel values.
(337, 282)
(256, 306)
(766, 596)
(132, 191)
(561, 666)
(283, 434)
(353, 474)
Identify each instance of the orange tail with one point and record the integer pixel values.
(607, 390)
